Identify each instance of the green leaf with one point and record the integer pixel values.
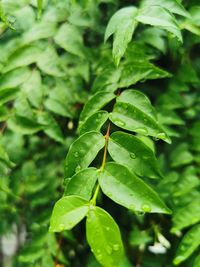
(160, 17)
(23, 57)
(126, 189)
(40, 30)
(49, 62)
(197, 261)
(24, 125)
(67, 212)
(135, 71)
(82, 183)
(94, 122)
(122, 24)
(14, 78)
(8, 94)
(186, 216)
(32, 87)
(5, 158)
(171, 5)
(70, 38)
(40, 4)
(188, 245)
(181, 156)
(94, 104)
(130, 151)
(104, 237)
(51, 127)
(82, 152)
(134, 112)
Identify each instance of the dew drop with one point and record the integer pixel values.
(78, 168)
(61, 226)
(76, 154)
(99, 257)
(108, 228)
(109, 250)
(120, 123)
(109, 194)
(99, 115)
(146, 208)
(139, 213)
(142, 131)
(132, 155)
(161, 136)
(115, 247)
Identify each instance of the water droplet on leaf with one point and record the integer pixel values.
(142, 131)
(146, 208)
(132, 155)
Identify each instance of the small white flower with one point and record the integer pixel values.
(163, 241)
(157, 248)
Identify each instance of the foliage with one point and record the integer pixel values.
(99, 112)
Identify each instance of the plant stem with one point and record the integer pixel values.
(93, 200)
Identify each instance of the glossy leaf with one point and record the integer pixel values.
(160, 17)
(130, 151)
(94, 104)
(188, 244)
(134, 112)
(94, 122)
(122, 24)
(67, 212)
(104, 237)
(82, 183)
(134, 71)
(82, 152)
(126, 189)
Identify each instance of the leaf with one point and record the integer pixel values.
(94, 104)
(40, 30)
(49, 62)
(130, 151)
(32, 87)
(82, 152)
(188, 244)
(186, 216)
(104, 237)
(94, 122)
(82, 183)
(160, 17)
(171, 5)
(40, 4)
(134, 112)
(51, 127)
(67, 212)
(197, 261)
(14, 78)
(8, 94)
(181, 156)
(122, 24)
(135, 71)
(70, 38)
(23, 57)
(126, 189)
(5, 158)
(24, 125)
